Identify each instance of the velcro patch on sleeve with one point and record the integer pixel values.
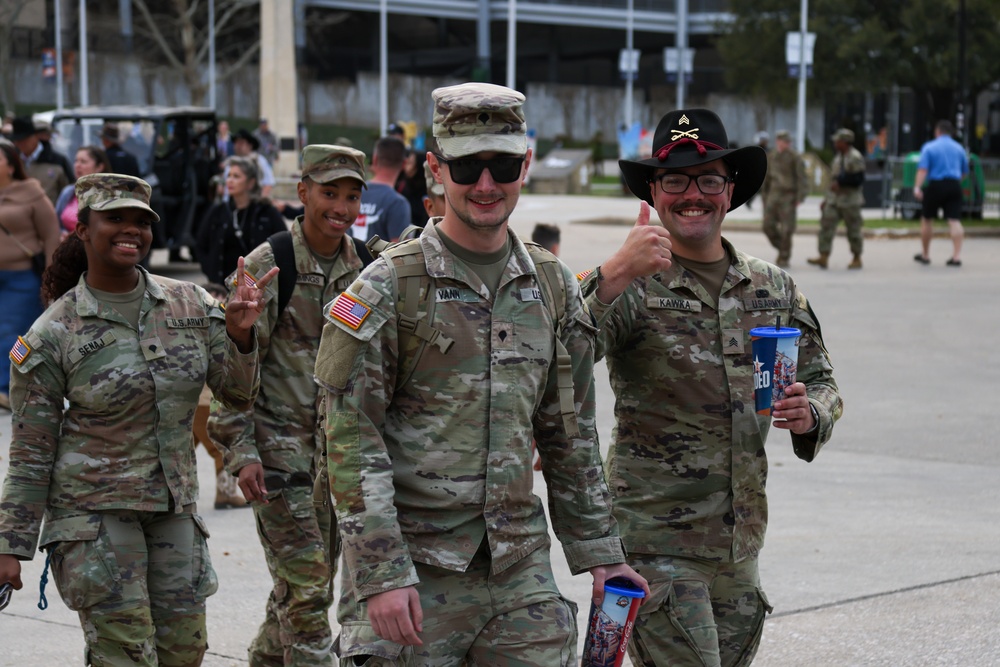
(20, 352)
(583, 275)
(248, 279)
(349, 310)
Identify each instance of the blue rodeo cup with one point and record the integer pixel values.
(775, 360)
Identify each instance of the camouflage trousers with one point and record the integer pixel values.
(779, 222)
(296, 531)
(699, 614)
(516, 618)
(139, 581)
(832, 214)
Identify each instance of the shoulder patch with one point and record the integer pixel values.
(349, 310)
(248, 279)
(583, 275)
(20, 352)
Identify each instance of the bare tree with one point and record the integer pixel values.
(179, 30)
(10, 10)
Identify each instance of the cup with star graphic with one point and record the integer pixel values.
(775, 360)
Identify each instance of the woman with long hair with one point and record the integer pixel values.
(89, 160)
(102, 475)
(28, 226)
(233, 228)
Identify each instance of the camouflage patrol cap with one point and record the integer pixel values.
(433, 187)
(324, 163)
(843, 134)
(106, 192)
(474, 117)
(784, 135)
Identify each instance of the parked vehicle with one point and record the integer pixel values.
(177, 155)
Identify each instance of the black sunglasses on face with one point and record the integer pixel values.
(466, 171)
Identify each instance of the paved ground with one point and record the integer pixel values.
(883, 551)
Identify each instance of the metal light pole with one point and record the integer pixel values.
(59, 56)
(383, 67)
(682, 42)
(628, 69)
(800, 133)
(211, 53)
(511, 43)
(84, 80)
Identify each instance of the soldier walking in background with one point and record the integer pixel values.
(687, 467)
(843, 201)
(785, 187)
(109, 462)
(276, 449)
(438, 367)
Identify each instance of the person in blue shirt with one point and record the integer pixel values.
(938, 185)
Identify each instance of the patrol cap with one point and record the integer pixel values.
(324, 163)
(474, 117)
(843, 134)
(106, 192)
(433, 187)
(785, 135)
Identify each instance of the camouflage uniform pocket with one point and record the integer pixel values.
(83, 563)
(207, 582)
(358, 640)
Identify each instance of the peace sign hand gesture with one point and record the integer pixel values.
(245, 305)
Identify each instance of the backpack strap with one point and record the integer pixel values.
(376, 245)
(284, 259)
(415, 333)
(363, 253)
(553, 283)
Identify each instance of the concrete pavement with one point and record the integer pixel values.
(883, 551)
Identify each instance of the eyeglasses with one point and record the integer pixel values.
(676, 183)
(466, 171)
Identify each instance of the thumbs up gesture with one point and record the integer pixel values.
(646, 251)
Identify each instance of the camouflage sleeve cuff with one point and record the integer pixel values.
(385, 576)
(18, 545)
(598, 308)
(807, 445)
(583, 555)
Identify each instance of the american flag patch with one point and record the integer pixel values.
(350, 312)
(583, 275)
(248, 279)
(20, 351)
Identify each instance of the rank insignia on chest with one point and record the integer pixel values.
(20, 351)
(349, 311)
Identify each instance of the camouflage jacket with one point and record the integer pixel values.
(687, 466)
(281, 432)
(786, 176)
(849, 163)
(124, 441)
(421, 473)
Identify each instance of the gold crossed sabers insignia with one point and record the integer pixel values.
(677, 134)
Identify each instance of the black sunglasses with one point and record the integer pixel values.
(466, 170)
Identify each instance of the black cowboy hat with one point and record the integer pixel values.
(248, 137)
(22, 128)
(686, 137)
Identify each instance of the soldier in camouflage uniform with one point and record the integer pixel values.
(445, 545)
(277, 451)
(785, 187)
(843, 200)
(687, 468)
(104, 388)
